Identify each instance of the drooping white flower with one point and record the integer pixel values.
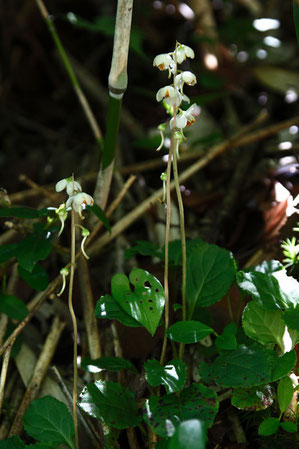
(164, 62)
(183, 52)
(171, 96)
(64, 273)
(79, 201)
(185, 118)
(71, 186)
(182, 78)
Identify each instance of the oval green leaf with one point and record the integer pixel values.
(210, 274)
(106, 363)
(188, 331)
(111, 402)
(285, 392)
(49, 420)
(108, 308)
(268, 426)
(37, 278)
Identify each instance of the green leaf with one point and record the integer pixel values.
(98, 211)
(21, 212)
(111, 402)
(145, 304)
(255, 398)
(296, 18)
(188, 331)
(12, 443)
(49, 420)
(251, 366)
(263, 325)
(41, 446)
(269, 266)
(285, 392)
(31, 249)
(108, 308)
(173, 375)
(191, 434)
(8, 251)
(37, 278)
(210, 274)
(291, 318)
(283, 365)
(18, 342)
(289, 426)
(13, 307)
(106, 363)
(268, 426)
(165, 413)
(227, 340)
(276, 78)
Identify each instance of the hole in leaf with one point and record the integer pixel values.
(157, 290)
(147, 284)
(150, 300)
(151, 309)
(141, 302)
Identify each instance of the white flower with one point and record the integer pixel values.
(185, 118)
(164, 62)
(171, 96)
(71, 186)
(189, 78)
(183, 52)
(79, 201)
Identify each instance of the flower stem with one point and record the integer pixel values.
(73, 316)
(183, 234)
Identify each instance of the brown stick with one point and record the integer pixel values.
(39, 372)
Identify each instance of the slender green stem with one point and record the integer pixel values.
(183, 234)
(72, 76)
(111, 131)
(166, 261)
(74, 321)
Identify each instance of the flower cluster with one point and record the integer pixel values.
(173, 95)
(78, 200)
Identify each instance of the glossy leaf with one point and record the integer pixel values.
(272, 291)
(145, 303)
(106, 363)
(12, 443)
(108, 308)
(255, 398)
(268, 426)
(210, 274)
(263, 325)
(188, 331)
(191, 434)
(98, 211)
(13, 307)
(285, 392)
(173, 375)
(33, 248)
(165, 413)
(49, 420)
(37, 278)
(269, 266)
(111, 402)
(251, 366)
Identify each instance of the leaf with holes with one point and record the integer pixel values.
(255, 398)
(210, 274)
(108, 308)
(111, 402)
(188, 331)
(141, 296)
(164, 414)
(173, 375)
